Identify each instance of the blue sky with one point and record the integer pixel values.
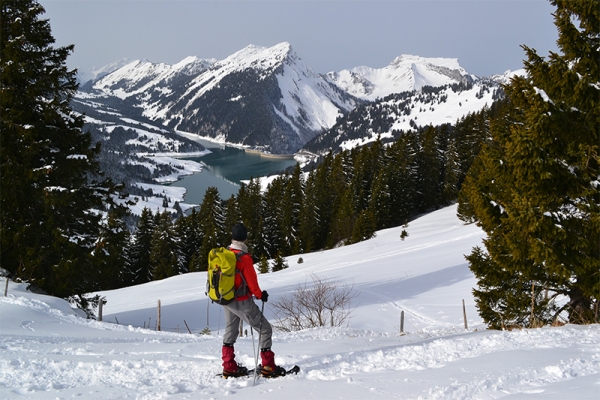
(485, 35)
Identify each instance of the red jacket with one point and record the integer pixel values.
(246, 266)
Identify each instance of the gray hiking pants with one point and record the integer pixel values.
(249, 312)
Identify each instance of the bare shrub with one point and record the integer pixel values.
(321, 303)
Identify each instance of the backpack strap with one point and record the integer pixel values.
(243, 289)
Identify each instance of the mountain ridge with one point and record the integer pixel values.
(265, 98)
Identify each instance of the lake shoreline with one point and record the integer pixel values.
(269, 155)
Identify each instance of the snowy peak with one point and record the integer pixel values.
(257, 57)
(505, 78)
(404, 73)
(268, 99)
(141, 75)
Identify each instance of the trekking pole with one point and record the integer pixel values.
(254, 349)
(259, 336)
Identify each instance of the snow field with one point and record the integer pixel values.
(48, 351)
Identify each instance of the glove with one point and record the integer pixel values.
(264, 296)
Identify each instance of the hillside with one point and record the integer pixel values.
(50, 352)
(410, 110)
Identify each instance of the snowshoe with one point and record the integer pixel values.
(240, 372)
(269, 372)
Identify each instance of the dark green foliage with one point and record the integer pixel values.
(279, 263)
(263, 265)
(365, 227)
(50, 178)
(211, 221)
(534, 187)
(110, 252)
(164, 257)
(140, 248)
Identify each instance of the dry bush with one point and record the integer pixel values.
(321, 303)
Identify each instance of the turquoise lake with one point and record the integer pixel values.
(226, 167)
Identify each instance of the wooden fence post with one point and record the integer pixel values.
(158, 323)
(100, 310)
(6, 288)
(465, 315)
(402, 322)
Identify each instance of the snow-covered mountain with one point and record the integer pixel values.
(95, 73)
(405, 73)
(267, 98)
(387, 117)
(264, 98)
(145, 78)
(505, 78)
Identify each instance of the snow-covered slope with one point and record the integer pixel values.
(405, 73)
(507, 76)
(50, 352)
(142, 76)
(388, 116)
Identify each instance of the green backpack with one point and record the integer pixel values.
(220, 284)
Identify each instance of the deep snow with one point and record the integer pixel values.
(48, 351)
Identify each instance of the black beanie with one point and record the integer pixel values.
(239, 232)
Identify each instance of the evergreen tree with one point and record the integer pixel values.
(534, 188)
(252, 208)
(188, 236)
(279, 262)
(140, 249)
(308, 224)
(110, 251)
(163, 255)
(211, 219)
(343, 222)
(323, 198)
(291, 208)
(232, 217)
(380, 201)
(429, 165)
(365, 227)
(341, 200)
(402, 178)
(452, 173)
(51, 187)
(274, 236)
(263, 265)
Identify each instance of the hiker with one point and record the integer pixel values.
(243, 307)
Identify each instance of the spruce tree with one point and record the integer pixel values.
(380, 201)
(429, 164)
(263, 265)
(51, 183)
(211, 219)
(279, 262)
(402, 178)
(164, 257)
(274, 235)
(252, 207)
(110, 251)
(292, 204)
(140, 249)
(341, 200)
(232, 217)
(534, 188)
(323, 202)
(308, 218)
(365, 227)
